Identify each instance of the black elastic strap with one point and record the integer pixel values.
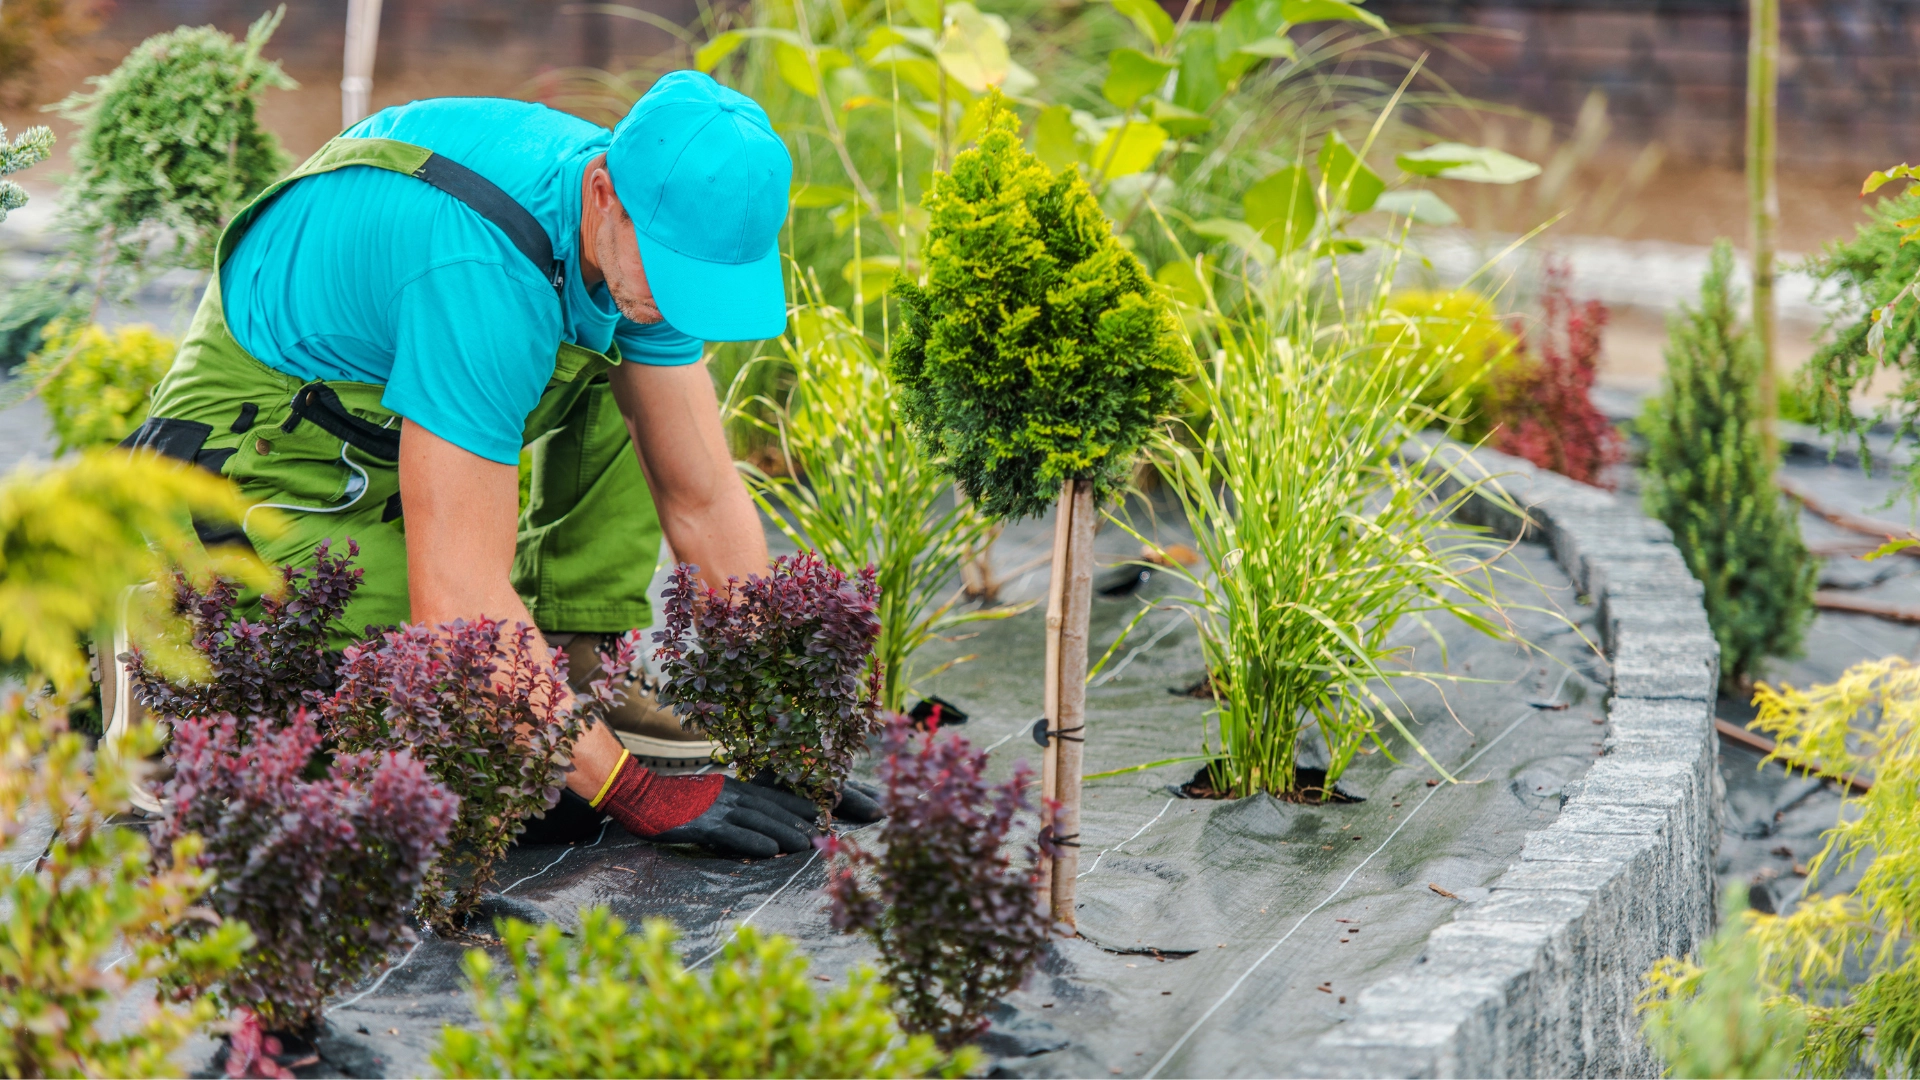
(319, 403)
(487, 200)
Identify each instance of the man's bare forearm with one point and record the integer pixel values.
(705, 511)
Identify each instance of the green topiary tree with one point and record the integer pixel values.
(1033, 364)
(169, 146)
(1710, 478)
(1039, 350)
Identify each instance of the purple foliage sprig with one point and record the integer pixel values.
(267, 666)
(324, 870)
(778, 669)
(488, 715)
(957, 924)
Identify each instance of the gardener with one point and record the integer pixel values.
(453, 280)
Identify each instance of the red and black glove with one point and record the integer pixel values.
(719, 813)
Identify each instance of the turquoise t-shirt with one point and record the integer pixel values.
(367, 275)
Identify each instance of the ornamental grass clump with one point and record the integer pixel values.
(603, 1002)
(1710, 478)
(486, 712)
(323, 858)
(1324, 525)
(778, 669)
(865, 493)
(1840, 965)
(958, 924)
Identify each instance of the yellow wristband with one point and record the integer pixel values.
(608, 786)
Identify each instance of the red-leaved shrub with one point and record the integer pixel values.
(324, 870)
(778, 669)
(1543, 409)
(488, 714)
(957, 924)
(267, 666)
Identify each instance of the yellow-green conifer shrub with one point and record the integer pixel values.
(1723, 1024)
(91, 919)
(96, 382)
(1039, 350)
(605, 1003)
(1842, 965)
(1459, 337)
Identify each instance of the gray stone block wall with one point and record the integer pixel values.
(1539, 978)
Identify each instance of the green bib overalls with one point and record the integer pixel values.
(326, 453)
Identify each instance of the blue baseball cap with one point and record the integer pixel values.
(705, 180)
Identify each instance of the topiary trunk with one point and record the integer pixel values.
(1710, 478)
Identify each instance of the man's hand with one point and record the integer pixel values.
(463, 514)
(704, 508)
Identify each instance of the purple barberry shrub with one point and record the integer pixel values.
(778, 669)
(267, 666)
(488, 715)
(957, 923)
(324, 870)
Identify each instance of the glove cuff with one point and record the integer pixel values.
(647, 804)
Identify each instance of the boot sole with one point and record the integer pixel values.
(667, 753)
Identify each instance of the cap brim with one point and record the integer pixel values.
(716, 301)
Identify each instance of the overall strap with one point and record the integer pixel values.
(480, 194)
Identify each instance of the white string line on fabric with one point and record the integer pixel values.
(1128, 840)
(381, 981)
(1271, 949)
(731, 934)
(1114, 672)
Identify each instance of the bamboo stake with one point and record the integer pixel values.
(1050, 694)
(1763, 192)
(1076, 609)
(356, 83)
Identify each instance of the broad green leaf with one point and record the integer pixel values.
(875, 274)
(1132, 75)
(1339, 246)
(1424, 207)
(1246, 22)
(972, 50)
(1180, 123)
(791, 62)
(925, 12)
(1239, 234)
(1475, 164)
(1350, 184)
(1300, 11)
(1199, 85)
(1271, 48)
(1183, 282)
(1892, 547)
(818, 196)
(1879, 178)
(1129, 149)
(1055, 141)
(717, 50)
(1282, 207)
(1152, 20)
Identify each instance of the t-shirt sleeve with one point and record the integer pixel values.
(473, 349)
(657, 344)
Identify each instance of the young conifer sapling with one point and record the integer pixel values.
(1034, 362)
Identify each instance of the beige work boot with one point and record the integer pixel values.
(649, 730)
(120, 711)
